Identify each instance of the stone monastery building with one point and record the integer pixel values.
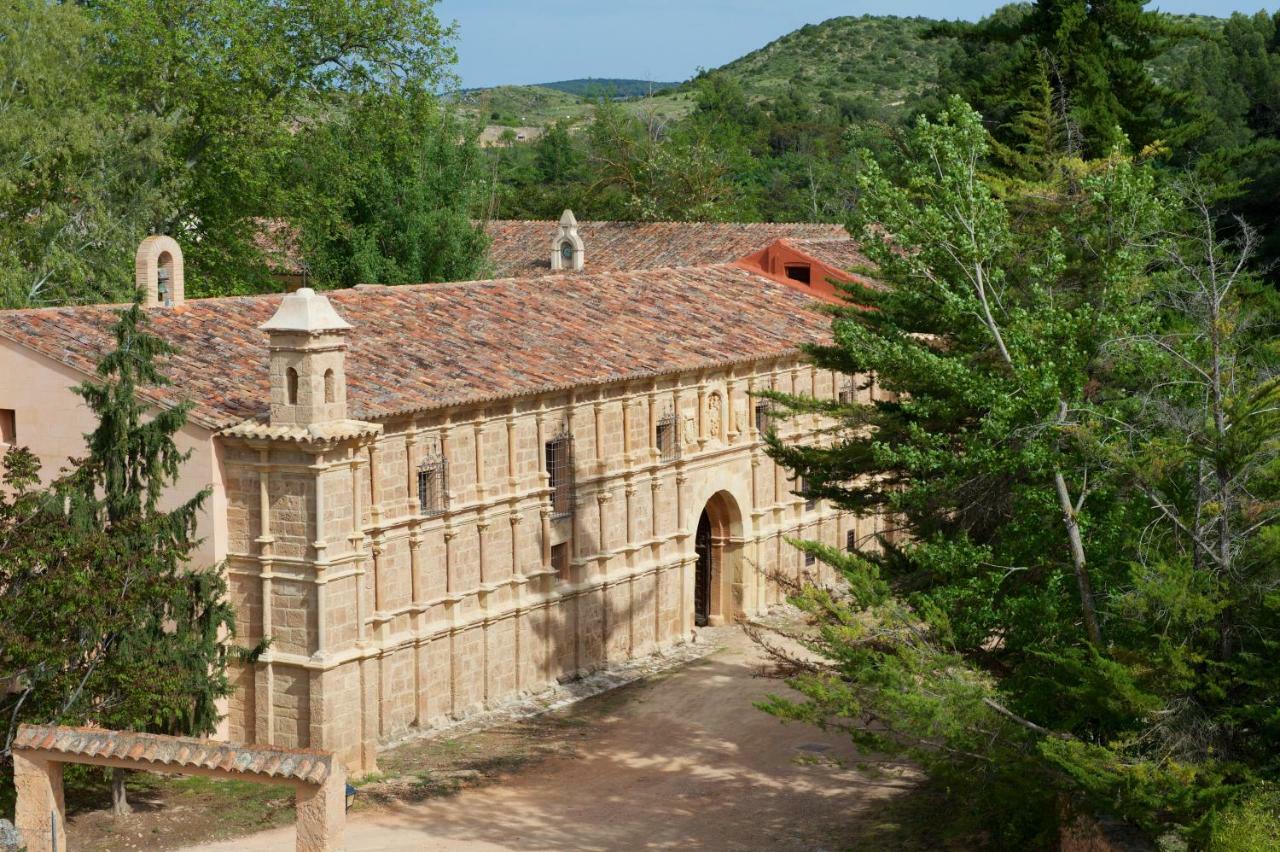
(435, 498)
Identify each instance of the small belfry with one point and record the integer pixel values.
(158, 272)
(567, 250)
(308, 361)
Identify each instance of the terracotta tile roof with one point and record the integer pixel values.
(841, 253)
(520, 247)
(431, 345)
(306, 765)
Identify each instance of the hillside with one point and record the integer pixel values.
(594, 87)
(869, 57)
(877, 59)
(541, 106)
(880, 58)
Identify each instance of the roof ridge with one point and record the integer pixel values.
(581, 222)
(382, 288)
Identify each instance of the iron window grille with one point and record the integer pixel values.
(668, 438)
(802, 486)
(810, 559)
(559, 452)
(851, 541)
(433, 486)
(560, 559)
(764, 417)
(847, 395)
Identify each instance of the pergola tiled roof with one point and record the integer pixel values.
(426, 346)
(519, 247)
(177, 753)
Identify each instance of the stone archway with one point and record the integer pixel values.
(718, 568)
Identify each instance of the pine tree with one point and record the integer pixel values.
(167, 669)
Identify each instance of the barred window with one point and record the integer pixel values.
(764, 417)
(668, 439)
(851, 541)
(848, 395)
(433, 486)
(560, 471)
(802, 485)
(810, 559)
(560, 559)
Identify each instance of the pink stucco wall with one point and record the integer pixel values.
(52, 421)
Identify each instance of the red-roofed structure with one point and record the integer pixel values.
(434, 497)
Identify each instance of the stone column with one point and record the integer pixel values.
(511, 451)
(627, 404)
(444, 453)
(702, 413)
(41, 813)
(597, 410)
(652, 404)
(731, 432)
(515, 519)
(478, 438)
(264, 676)
(322, 813)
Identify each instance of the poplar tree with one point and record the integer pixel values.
(1071, 603)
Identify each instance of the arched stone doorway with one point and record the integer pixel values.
(718, 570)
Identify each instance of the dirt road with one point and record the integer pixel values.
(680, 761)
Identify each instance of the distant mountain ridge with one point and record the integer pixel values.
(873, 63)
(608, 86)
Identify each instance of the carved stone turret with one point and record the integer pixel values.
(308, 361)
(567, 251)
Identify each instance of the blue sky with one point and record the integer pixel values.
(540, 41)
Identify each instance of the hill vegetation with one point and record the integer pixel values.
(596, 87)
(880, 58)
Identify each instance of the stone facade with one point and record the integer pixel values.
(434, 499)
(387, 615)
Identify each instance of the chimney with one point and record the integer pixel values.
(158, 272)
(567, 250)
(308, 361)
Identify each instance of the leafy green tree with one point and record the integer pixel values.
(1094, 57)
(649, 172)
(82, 172)
(1056, 449)
(1232, 84)
(237, 80)
(388, 193)
(102, 618)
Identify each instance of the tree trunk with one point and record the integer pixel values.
(119, 795)
(1078, 561)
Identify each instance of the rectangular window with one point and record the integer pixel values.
(560, 473)
(560, 559)
(802, 485)
(433, 486)
(847, 395)
(798, 272)
(810, 559)
(764, 420)
(666, 438)
(8, 426)
(851, 541)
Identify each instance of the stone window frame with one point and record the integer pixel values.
(667, 437)
(558, 454)
(433, 486)
(763, 416)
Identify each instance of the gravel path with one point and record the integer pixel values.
(680, 759)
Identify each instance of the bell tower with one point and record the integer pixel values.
(158, 272)
(308, 361)
(567, 250)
